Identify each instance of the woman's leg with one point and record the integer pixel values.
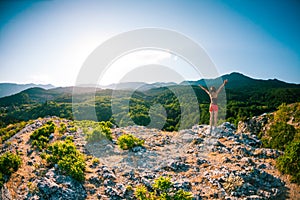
(215, 118)
(211, 118)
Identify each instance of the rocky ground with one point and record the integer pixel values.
(218, 164)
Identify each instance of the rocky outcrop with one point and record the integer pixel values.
(230, 164)
(254, 125)
(56, 186)
(221, 163)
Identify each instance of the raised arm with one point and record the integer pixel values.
(220, 88)
(203, 88)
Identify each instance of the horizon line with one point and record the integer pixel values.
(190, 80)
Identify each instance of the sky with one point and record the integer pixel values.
(47, 41)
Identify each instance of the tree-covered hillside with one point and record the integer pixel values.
(245, 97)
(7, 89)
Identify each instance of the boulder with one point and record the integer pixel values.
(57, 186)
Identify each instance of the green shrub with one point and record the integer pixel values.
(95, 161)
(40, 137)
(70, 138)
(10, 130)
(281, 134)
(68, 158)
(73, 129)
(181, 194)
(163, 189)
(282, 114)
(128, 141)
(62, 128)
(106, 124)
(289, 162)
(9, 163)
(162, 184)
(99, 133)
(141, 193)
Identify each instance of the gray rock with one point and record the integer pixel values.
(146, 182)
(149, 175)
(185, 185)
(109, 183)
(187, 137)
(201, 161)
(95, 181)
(197, 140)
(254, 125)
(51, 136)
(177, 166)
(5, 194)
(138, 149)
(112, 193)
(108, 175)
(226, 160)
(129, 174)
(248, 161)
(56, 186)
(92, 191)
(99, 196)
(29, 152)
(47, 186)
(30, 162)
(219, 144)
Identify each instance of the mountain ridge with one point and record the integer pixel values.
(245, 97)
(234, 78)
(7, 89)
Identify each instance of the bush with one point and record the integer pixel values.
(62, 129)
(40, 137)
(99, 133)
(10, 130)
(95, 161)
(162, 184)
(68, 158)
(282, 114)
(73, 129)
(163, 189)
(181, 194)
(289, 162)
(141, 193)
(128, 141)
(106, 124)
(281, 134)
(9, 163)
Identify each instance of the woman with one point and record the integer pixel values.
(213, 108)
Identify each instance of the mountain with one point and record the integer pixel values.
(7, 89)
(245, 97)
(238, 80)
(140, 86)
(31, 95)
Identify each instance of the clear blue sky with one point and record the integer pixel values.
(47, 41)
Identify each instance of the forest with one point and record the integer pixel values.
(245, 97)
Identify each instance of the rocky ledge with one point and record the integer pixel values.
(212, 164)
(218, 163)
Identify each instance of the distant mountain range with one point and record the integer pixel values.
(245, 97)
(236, 80)
(140, 86)
(7, 89)
(238, 85)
